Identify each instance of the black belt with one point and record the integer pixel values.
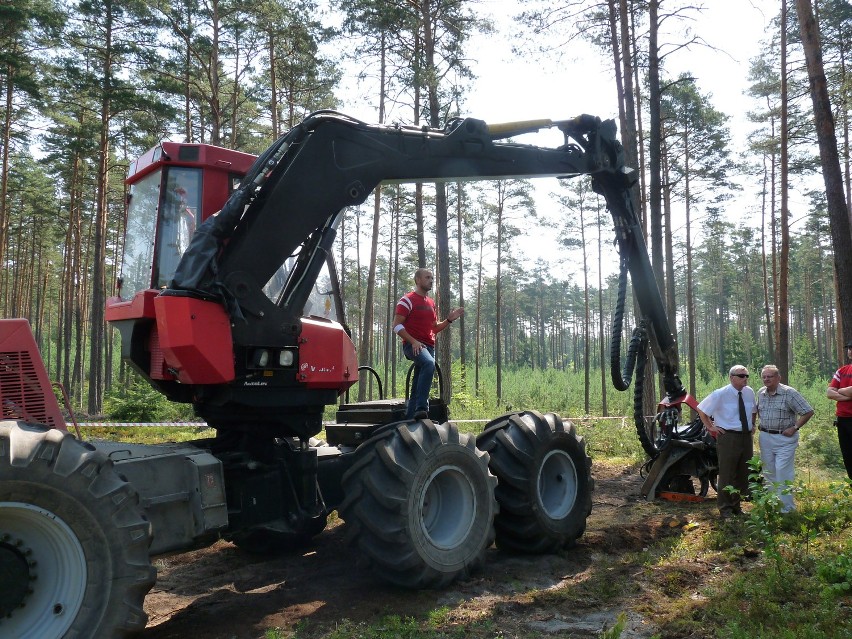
(771, 432)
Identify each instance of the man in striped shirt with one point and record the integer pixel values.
(782, 411)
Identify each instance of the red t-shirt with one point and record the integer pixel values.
(843, 378)
(419, 316)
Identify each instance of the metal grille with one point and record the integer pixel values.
(158, 358)
(21, 394)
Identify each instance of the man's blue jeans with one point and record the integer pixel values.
(421, 382)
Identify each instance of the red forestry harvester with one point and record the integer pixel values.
(229, 300)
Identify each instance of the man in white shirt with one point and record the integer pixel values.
(727, 413)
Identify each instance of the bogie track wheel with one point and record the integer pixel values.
(545, 483)
(73, 540)
(419, 504)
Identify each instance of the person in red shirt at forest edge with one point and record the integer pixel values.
(416, 322)
(840, 390)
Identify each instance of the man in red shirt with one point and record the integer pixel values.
(840, 390)
(416, 322)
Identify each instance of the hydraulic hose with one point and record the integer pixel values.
(621, 378)
(637, 359)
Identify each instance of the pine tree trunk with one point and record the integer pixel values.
(98, 299)
(783, 318)
(830, 161)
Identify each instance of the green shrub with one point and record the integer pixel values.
(140, 402)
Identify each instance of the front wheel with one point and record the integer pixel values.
(545, 484)
(420, 504)
(73, 540)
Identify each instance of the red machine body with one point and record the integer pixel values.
(327, 357)
(25, 388)
(221, 169)
(668, 402)
(194, 338)
(184, 342)
(174, 187)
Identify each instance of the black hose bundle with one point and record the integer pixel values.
(637, 359)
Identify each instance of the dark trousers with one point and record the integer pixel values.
(734, 449)
(844, 436)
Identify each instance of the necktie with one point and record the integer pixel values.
(743, 416)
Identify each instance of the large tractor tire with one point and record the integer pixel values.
(74, 541)
(545, 483)
(419, 504)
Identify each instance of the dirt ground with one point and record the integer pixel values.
(222, 592)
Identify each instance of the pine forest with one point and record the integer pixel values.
(750, 245)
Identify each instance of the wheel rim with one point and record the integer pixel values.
(557, 484)
(447, 507)
(52, 584)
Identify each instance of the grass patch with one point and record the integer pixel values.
(387, 627)
(147, 434)
(765, 576)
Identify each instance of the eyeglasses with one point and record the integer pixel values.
(740, 375)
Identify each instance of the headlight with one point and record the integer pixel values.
(261, 358)
(285, 358)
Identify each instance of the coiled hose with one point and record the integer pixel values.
(637, 359)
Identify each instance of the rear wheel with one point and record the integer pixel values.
(545, 484)
(420, 504)
(73, 539)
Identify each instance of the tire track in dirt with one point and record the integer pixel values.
(222, 592)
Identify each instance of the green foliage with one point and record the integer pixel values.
(148, 434)
(706, 367)
(795, 541)
(836, 572)
(388, 627)
(613, 439)
(466, 403)
(617, 628)
(140, 402)
(765, 518)
(818, 439)
(778, 595)
(758, 355)
(737, 348)
(805, 360)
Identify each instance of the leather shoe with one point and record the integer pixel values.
(421, 414)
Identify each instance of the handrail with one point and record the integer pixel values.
(440, 380)
(375, 374)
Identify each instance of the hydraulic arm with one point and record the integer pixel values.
(289, 205)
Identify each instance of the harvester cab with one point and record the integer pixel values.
(173, 188)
